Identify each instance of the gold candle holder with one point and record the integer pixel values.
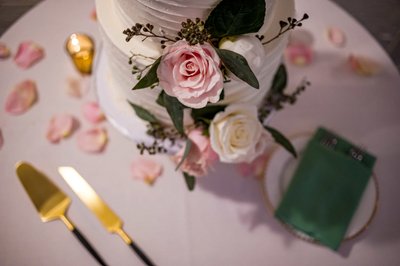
(80, 47)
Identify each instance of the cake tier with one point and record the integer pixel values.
(113, 21)
(168, 14)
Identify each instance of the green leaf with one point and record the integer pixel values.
(143, 113)
(222, 95)
(238, 65)
(185, 153)
(190, 181)
(175, 111)
(282, 140)
(280, 80)
(160, 99)
(231, 18)
(150, 78)
(207, 113)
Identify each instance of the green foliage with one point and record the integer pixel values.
(150, 78)
(238, 65)
(235, 17)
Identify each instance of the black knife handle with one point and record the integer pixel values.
(141, 254)
(88, 246)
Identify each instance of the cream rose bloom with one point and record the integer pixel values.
(236, 134)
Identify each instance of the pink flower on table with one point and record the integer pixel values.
(336, 36)
(21, 98)
(191, 73)
(92, 112)
(201, 155)
(299, 54)
(146, 170)
(60, 127)
(92, 140)
(4, 51)
(93, 14)
(77, 87)
(28, 53)
(363, 66)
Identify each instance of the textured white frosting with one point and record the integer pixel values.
(115, 16)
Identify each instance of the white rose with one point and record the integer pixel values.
(249, 47)
(236, 134)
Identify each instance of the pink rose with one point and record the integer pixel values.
(191, 73)
(200, 157)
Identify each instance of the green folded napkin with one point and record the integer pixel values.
(326, 188)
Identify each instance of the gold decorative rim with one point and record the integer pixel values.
(292, 231)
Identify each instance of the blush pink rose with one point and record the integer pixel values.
(200, 157)
(191, 73)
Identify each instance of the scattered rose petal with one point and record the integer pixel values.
(256, 168)
(363, 65)
(336, 36)
(93, 113)
(28, 53)
(93, 140)
(4, 51)
(77, 87)
(146, 170)
(60, 126)
(1, 139)
(299, 54)
(93, 14)
(21, 98)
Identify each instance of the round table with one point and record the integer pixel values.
(224, 221)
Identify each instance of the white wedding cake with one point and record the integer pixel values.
(166, 16)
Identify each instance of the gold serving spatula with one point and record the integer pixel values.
(107, 217)
(50, 201)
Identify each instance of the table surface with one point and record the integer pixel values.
(224, 221)
(381, 18)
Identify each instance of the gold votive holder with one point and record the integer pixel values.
(80, 47)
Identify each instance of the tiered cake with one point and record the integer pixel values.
(166, 15)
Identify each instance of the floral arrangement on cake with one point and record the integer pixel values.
(192, 71)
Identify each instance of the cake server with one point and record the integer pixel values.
(107, 217)
(50, 201)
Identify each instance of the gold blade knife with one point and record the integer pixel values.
(107, 217)
(50, 201)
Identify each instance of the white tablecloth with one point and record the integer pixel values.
(224, 221)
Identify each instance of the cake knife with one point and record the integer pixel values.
(107, 217)
(50, 201)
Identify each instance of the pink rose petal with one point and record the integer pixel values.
(93, 113)
(21, 98)
(93, 140)
(93, 14)
(336, 36)
(28, 53)
(1, 139)
(146, 170)
(299, 54)
(4, 51)
(363, 65)
(60, 126)
(255, 168)
(77, 87)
